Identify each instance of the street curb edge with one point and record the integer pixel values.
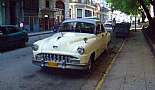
(104, 75)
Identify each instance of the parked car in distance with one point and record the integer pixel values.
(77, 45)
(12, 36)
(108, 27)
(122, 29)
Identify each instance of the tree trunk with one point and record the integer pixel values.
(135, 23)
(154, 7)
(148, 15)
(143, 17)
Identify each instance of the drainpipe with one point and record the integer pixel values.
(22, 5)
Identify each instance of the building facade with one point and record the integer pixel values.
(41, 15)
(13, 12)
(81, 9)
(9, 12)
(104, 13)
(2, 12)
(51, 12)
(30, 10)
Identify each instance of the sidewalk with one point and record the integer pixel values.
(134, 68)
(39, 33)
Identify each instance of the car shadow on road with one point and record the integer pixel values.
(65, 73)
(3, 50)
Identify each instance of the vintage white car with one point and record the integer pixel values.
(76, 45)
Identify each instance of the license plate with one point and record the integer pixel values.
(52, 64)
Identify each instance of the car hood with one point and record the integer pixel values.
(66, 42)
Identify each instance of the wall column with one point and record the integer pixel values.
(66, 9)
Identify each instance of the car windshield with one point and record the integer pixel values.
(9, 29)
(81, 27)
(108, 25)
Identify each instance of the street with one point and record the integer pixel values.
(18, 73)
(77, 44)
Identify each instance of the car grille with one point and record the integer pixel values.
(56, 57)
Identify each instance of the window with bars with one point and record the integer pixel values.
(79, 13)
(47, 4)
(88, 13)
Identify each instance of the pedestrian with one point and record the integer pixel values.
(113, 24)
(21, 25)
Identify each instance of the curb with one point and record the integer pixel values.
(39, 33)
(150, 43)
(100, 83)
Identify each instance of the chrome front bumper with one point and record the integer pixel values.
(62, 65)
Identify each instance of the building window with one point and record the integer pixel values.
(87, 2)
(47, 4)
(88, 13)
(79, 1)
(31, 5)
(79, 13)
(70, 12)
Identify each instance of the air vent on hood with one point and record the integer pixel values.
(58, 38)
(55, 46)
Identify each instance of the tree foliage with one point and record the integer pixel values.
(130, 7)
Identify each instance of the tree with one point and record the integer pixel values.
(133, 7)
(129, 7)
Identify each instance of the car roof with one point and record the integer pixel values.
(93, 21)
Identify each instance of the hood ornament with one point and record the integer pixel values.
(85, 40)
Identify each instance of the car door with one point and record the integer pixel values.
(3, 37)
(99, 39)
(104, 37)
(13, 36)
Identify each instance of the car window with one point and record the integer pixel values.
(98, 29)
(81, 27)
(4, 30)
(85, 27)
(12, 29)
(102, 28)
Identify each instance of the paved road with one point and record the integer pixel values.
(18, 73)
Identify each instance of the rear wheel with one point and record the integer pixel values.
(22, 43)
(107, 50)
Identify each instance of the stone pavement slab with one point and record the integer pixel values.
(134, 68)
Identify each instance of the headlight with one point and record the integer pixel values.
(35, 47)
(80, 50)
(39, 57)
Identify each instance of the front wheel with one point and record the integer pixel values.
(91, 64)
(23, 44)
(107, 50)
